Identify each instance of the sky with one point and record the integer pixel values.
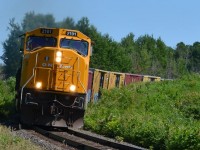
(173, 20)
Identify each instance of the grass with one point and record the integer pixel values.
(10, 142)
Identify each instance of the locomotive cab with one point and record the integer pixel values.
(51, 83)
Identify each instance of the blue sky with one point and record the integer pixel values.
(172, 20)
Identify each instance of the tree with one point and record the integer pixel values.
(83, 25)
(161, 57)
(11, 54)
(171, 67)
(109, 55)
(195, 57)
(128, 44)
(1, 72)
(144, 50)
(68, 23)
(182, 58)
(32, 21)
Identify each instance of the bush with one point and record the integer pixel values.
(158, 115)
(7, 94)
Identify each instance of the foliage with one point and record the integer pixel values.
(11, 55)
(194, 57)
(67, 23)
(1, 72)
(32, 21)
(7, 94)
(163, 115)
(10, 142)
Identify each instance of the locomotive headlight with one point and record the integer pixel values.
(38, 85)
(58, 56)
(72, 88)
(58, 59)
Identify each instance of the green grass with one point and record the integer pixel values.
(10, 142)
(157, 115)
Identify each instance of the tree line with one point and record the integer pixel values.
(144, 55)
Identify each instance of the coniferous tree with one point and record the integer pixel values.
(83, 25)
(32, 21)
(195, 57)
(128, 44)
(67, 23)
(182, 56)
(11, 54)
(171, 67)
(142, 47)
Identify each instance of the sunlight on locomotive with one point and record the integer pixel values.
(72, 88)
(38, 85)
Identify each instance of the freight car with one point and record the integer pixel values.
(101, 79)
(51, 84)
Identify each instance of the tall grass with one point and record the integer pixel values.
(157, 115)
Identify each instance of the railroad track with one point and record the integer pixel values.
(84, 141)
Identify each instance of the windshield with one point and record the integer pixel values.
(35, 42)
(79, 46)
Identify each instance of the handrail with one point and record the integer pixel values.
(28, 79)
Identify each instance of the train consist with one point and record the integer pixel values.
(101, 79)
(54, 83)
(51, 84)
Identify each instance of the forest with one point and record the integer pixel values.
(144, 55)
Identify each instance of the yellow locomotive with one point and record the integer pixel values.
(51, 83)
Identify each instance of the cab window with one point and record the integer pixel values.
(79, 45)
(35, 42)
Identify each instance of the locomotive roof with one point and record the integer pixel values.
(57, 32)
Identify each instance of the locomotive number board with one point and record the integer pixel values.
(46, 31)
(71, 33)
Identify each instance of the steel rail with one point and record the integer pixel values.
(71, 140)
(103, 140)
(84, 141)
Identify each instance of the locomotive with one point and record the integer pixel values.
(51, 84)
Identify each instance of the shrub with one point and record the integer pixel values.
(155, 115)
(7, 94)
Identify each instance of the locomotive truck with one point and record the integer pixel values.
(51, 83)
